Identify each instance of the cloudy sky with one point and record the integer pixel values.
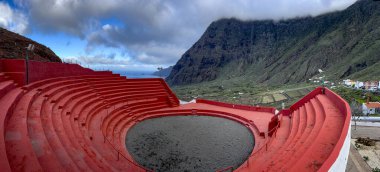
(138, 34)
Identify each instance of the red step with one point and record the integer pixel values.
(5, 87)
(19, 147)
(7, 103)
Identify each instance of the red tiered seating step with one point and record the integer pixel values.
(79, 122)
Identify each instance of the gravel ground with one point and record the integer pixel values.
(189, 143)
(372, 152)
(356, 162)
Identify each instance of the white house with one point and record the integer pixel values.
(371, 108)
(359, 84)
(348, 82)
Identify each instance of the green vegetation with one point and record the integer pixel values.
(268, 63)
(365, 158)
(344, 44)
(245, 92)
(360, 96)
(259, 94)
(242, 93)
(357, 145)
(279, 97)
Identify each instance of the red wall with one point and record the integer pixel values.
(43, 70)
(15, 68)
(17, 65)
(40, 70)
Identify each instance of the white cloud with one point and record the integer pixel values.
(105, 62)
(12, 20)
(107, 27)
(158, 31)
(158, 53)
(98, 59)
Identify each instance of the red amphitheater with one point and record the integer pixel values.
(63, 117)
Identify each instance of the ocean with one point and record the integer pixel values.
(136, 74)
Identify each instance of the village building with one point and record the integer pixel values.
(371, 108)
(348, 82)
(371, 85)
(359, 84)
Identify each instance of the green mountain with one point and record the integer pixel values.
(344, 44)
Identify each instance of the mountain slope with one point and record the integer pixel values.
(164, 72)
(344, 44)
(12, 46)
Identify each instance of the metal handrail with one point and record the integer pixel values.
(226, 169)
(274, 129)
(120, 153)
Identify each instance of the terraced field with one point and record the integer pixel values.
(267, 99)
(294, 93)
(244, 94)
(279, 97)
(286, 96)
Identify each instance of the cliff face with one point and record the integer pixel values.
(12, 46)
(344, 44)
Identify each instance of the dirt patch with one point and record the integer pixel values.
(369, 150)
(189, 143)
(365, 141)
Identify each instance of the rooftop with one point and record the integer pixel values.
(373, 105)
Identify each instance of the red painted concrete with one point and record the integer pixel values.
(12, 65)
(41, 70)
(75, 119)
(1, 66)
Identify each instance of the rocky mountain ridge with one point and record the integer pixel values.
(344, 44)
(13, 46)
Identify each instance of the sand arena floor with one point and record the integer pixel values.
(189, 143)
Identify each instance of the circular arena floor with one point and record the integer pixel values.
(189, 143)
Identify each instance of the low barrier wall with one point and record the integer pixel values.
(12, 65)
(234, 106)
(43, 70)
(16, 69)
